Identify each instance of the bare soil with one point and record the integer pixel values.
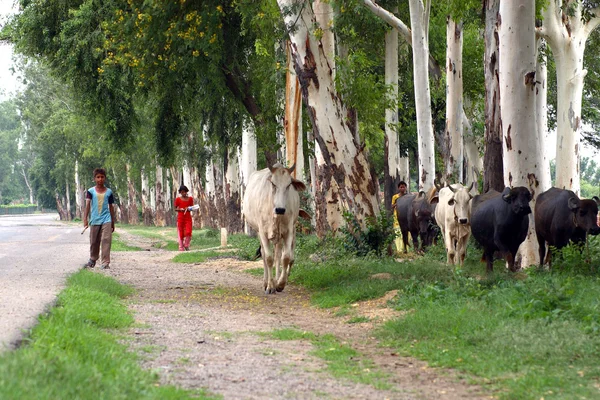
(201, 326)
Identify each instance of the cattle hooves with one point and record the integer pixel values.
(270, 291)
(280, 289)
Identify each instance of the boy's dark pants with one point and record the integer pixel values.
(100, 237)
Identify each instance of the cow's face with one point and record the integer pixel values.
(518, 198)
(585, 214)
(282, 183)
(461, 200)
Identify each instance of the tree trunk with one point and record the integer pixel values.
(62, 213)
(392, 148)
(68, 199)
(493, 176)
(134, 218)
(232, 196)
(79, 191)
(248, 162)
(159, 190)
(473, 163)
(517, 68)
(419, 20)
(146, 208)
(566, 29)
(293, 120)
(453, 136)
(344, 157)
(28, 186)
(541, 108)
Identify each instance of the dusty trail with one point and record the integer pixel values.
(200, 326)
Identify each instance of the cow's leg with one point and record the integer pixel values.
(461, 249)
(415, 239)
(277, 259)
(542, 249)
(288, 261)
(405, 240)
(267, 256)
(449, 242)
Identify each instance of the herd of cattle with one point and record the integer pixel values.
(498, 221)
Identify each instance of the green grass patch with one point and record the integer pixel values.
(195, 257)
(166, 237)
(358, 319)
(524, 336)
(342, 361)
(74, 352)
(119, 245)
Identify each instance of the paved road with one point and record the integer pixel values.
(37, 253)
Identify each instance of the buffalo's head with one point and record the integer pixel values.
(585, 214)
(518, 197)
(281, 183)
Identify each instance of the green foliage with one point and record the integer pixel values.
(376, 237)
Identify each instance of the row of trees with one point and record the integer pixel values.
(205, 93)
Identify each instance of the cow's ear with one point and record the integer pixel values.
(434, 200)
(573, 204)
(298, 185)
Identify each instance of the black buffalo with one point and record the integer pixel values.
(560, 217)
(499, 222)
(415, 216)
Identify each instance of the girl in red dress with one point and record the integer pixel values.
(184, 218)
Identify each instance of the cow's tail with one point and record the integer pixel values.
(258, 254)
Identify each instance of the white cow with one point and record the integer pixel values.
(453, 216)
(271, 206)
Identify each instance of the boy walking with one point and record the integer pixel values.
(99, 207)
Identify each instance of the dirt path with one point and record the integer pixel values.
(200, 326)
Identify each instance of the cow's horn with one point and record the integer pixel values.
(596, 199)
(292, 168)
(471, 187)
(451, 188)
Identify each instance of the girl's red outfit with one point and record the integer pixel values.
(184, 222)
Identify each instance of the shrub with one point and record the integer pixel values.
(377, 236)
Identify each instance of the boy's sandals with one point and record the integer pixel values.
(104, 267)
(90, 264)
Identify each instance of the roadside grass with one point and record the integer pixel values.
(522, 335)
(166, 237)
(74, 352)
(342, 361)
(119, 245)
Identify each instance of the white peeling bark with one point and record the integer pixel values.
(68, 200)
(344, 156)
(419, 20)
(473, 162)
(79, 190)
(566, 31)
(292, 120)
(522, 159)
(541, 107)
(453, 135)
(233, 200)
(161, 198)
(248, 160)
(132, 211)
(391, 117)
(145, 197)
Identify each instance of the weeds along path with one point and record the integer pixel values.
(208, 326)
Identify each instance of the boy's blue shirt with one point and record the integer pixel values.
(99, 207)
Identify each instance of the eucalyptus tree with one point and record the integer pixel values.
(567, 25)
(11, 186)
(344, 155)
(517, 67)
